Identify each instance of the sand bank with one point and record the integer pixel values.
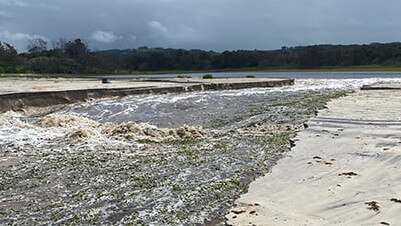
(21, 93)
(21, 85)
(344, 169)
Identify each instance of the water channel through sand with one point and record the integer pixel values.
(153, 159)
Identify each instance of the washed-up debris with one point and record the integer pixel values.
(373, 205)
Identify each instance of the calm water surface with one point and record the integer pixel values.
(299, 75)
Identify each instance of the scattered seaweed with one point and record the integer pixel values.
(348, 174)
(238, 211)
(373, 205)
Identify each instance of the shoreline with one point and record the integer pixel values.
(343, 169)
(21, 95)
(351, 69)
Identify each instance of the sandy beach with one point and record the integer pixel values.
(344, 169)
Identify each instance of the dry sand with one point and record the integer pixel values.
(344, 170)
(17, 84)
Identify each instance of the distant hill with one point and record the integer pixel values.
(302, 57)
(75, 57)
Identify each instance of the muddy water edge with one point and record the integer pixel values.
(167, 164)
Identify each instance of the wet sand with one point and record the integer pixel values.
(344, 169)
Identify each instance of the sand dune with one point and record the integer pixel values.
(344, 170)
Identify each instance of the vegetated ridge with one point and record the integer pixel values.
(74, 56)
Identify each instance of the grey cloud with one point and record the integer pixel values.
(205, 24)
(20, 36)
(105, 36)
(19, 3)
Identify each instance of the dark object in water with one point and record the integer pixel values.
(106, 80)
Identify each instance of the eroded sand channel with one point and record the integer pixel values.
(89, 164)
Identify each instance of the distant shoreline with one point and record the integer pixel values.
(353, 69)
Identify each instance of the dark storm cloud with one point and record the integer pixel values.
(205, 24)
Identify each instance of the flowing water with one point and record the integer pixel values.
(179, 159)
(202, 108)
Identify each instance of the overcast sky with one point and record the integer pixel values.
(201, 24)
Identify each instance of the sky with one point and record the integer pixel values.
(200, 24)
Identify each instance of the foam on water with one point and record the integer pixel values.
(55, 132)
(19, 133)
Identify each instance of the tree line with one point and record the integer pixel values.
(74, 56)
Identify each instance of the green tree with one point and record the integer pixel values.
(37, 46)
(8, 57)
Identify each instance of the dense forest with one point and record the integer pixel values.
(74, 56)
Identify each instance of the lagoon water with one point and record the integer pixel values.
(298, 75)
